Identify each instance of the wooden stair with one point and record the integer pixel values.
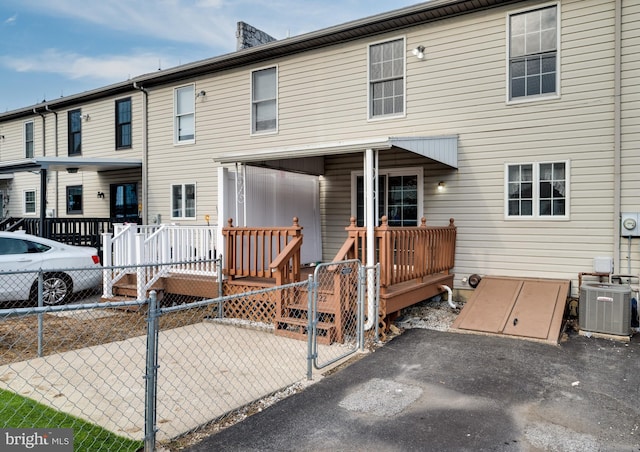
(293, 320)
(173, 284)
(335, 308)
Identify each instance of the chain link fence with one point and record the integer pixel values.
(126, 373)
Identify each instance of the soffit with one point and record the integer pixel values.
(67, 163)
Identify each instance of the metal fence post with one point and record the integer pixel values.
(220, 292)
(40, 314)
(151, 375)
(310, 328)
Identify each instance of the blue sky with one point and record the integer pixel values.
(54, 48)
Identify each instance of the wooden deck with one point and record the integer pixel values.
(415, 264)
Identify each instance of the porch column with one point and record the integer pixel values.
(43, 202)
(370, 196)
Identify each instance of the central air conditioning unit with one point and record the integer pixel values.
(605, 308)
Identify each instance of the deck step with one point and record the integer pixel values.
(297, 329)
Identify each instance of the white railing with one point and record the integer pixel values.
(155, 251)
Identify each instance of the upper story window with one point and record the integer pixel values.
(537, 190)
(264, 100)
(386, 78)
(533, 53)
(185, 114)
(74, 199)
(183, 201)
(28, 140)
(399, 196)
(29, 205)
(74, 124)
(123, 123)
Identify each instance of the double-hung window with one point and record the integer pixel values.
(185, 114)
(533, 53)
(74, 199)
(183, 201)
(123, 123)
(29, 198)
(537, 190)
(74, 125)
(28, 140)
(264, 100)
(399, 196)
(386, 78)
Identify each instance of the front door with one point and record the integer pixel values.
(124, 203)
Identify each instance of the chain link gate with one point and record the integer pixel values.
(337, 314)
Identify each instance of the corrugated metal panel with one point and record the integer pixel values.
(440, 149)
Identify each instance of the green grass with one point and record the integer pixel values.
(20, 412)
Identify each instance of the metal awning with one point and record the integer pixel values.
(69, 164)
(443, 149)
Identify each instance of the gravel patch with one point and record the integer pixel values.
(432, 314)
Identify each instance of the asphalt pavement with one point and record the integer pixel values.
(428, 390)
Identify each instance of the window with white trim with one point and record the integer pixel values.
(28, 140)
(533, 53)
(264, 100)
(537, 190)
(29, 204)
(185, 102)
(183, 201)
(400, 193)
(386, 78)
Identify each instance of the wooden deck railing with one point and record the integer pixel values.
(404, 253)
(263, 252)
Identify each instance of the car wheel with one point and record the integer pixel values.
(56, 289)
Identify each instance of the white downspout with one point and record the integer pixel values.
(145, 153)
(617, 147)
(369, 209)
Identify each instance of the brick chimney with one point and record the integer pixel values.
(248, 36)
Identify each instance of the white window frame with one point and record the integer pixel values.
(183, 208)
(177, 117)
(389, 172)
(536, 192)
(33, 139)
(253, 102)
(370, 115)
(538, 97)
(25, 211)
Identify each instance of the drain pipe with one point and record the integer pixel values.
(449, 295)
(145, 153)
(55, 153)
(617, 132)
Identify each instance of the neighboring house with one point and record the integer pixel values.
(519, 119)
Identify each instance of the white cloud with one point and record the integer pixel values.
(103, 68)
(201, 22)
(11, 20)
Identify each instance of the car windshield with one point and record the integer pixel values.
(10, 245)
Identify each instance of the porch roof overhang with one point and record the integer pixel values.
(69, 164)
(442, 149)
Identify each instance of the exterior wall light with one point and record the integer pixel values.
(441, 186)
(419, 52)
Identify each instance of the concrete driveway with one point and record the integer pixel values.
(441, 391)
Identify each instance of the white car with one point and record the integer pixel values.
(24, 252)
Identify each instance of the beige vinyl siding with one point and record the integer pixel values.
(190, 163)
(444, 96)
(630, 139)
(460, 88)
